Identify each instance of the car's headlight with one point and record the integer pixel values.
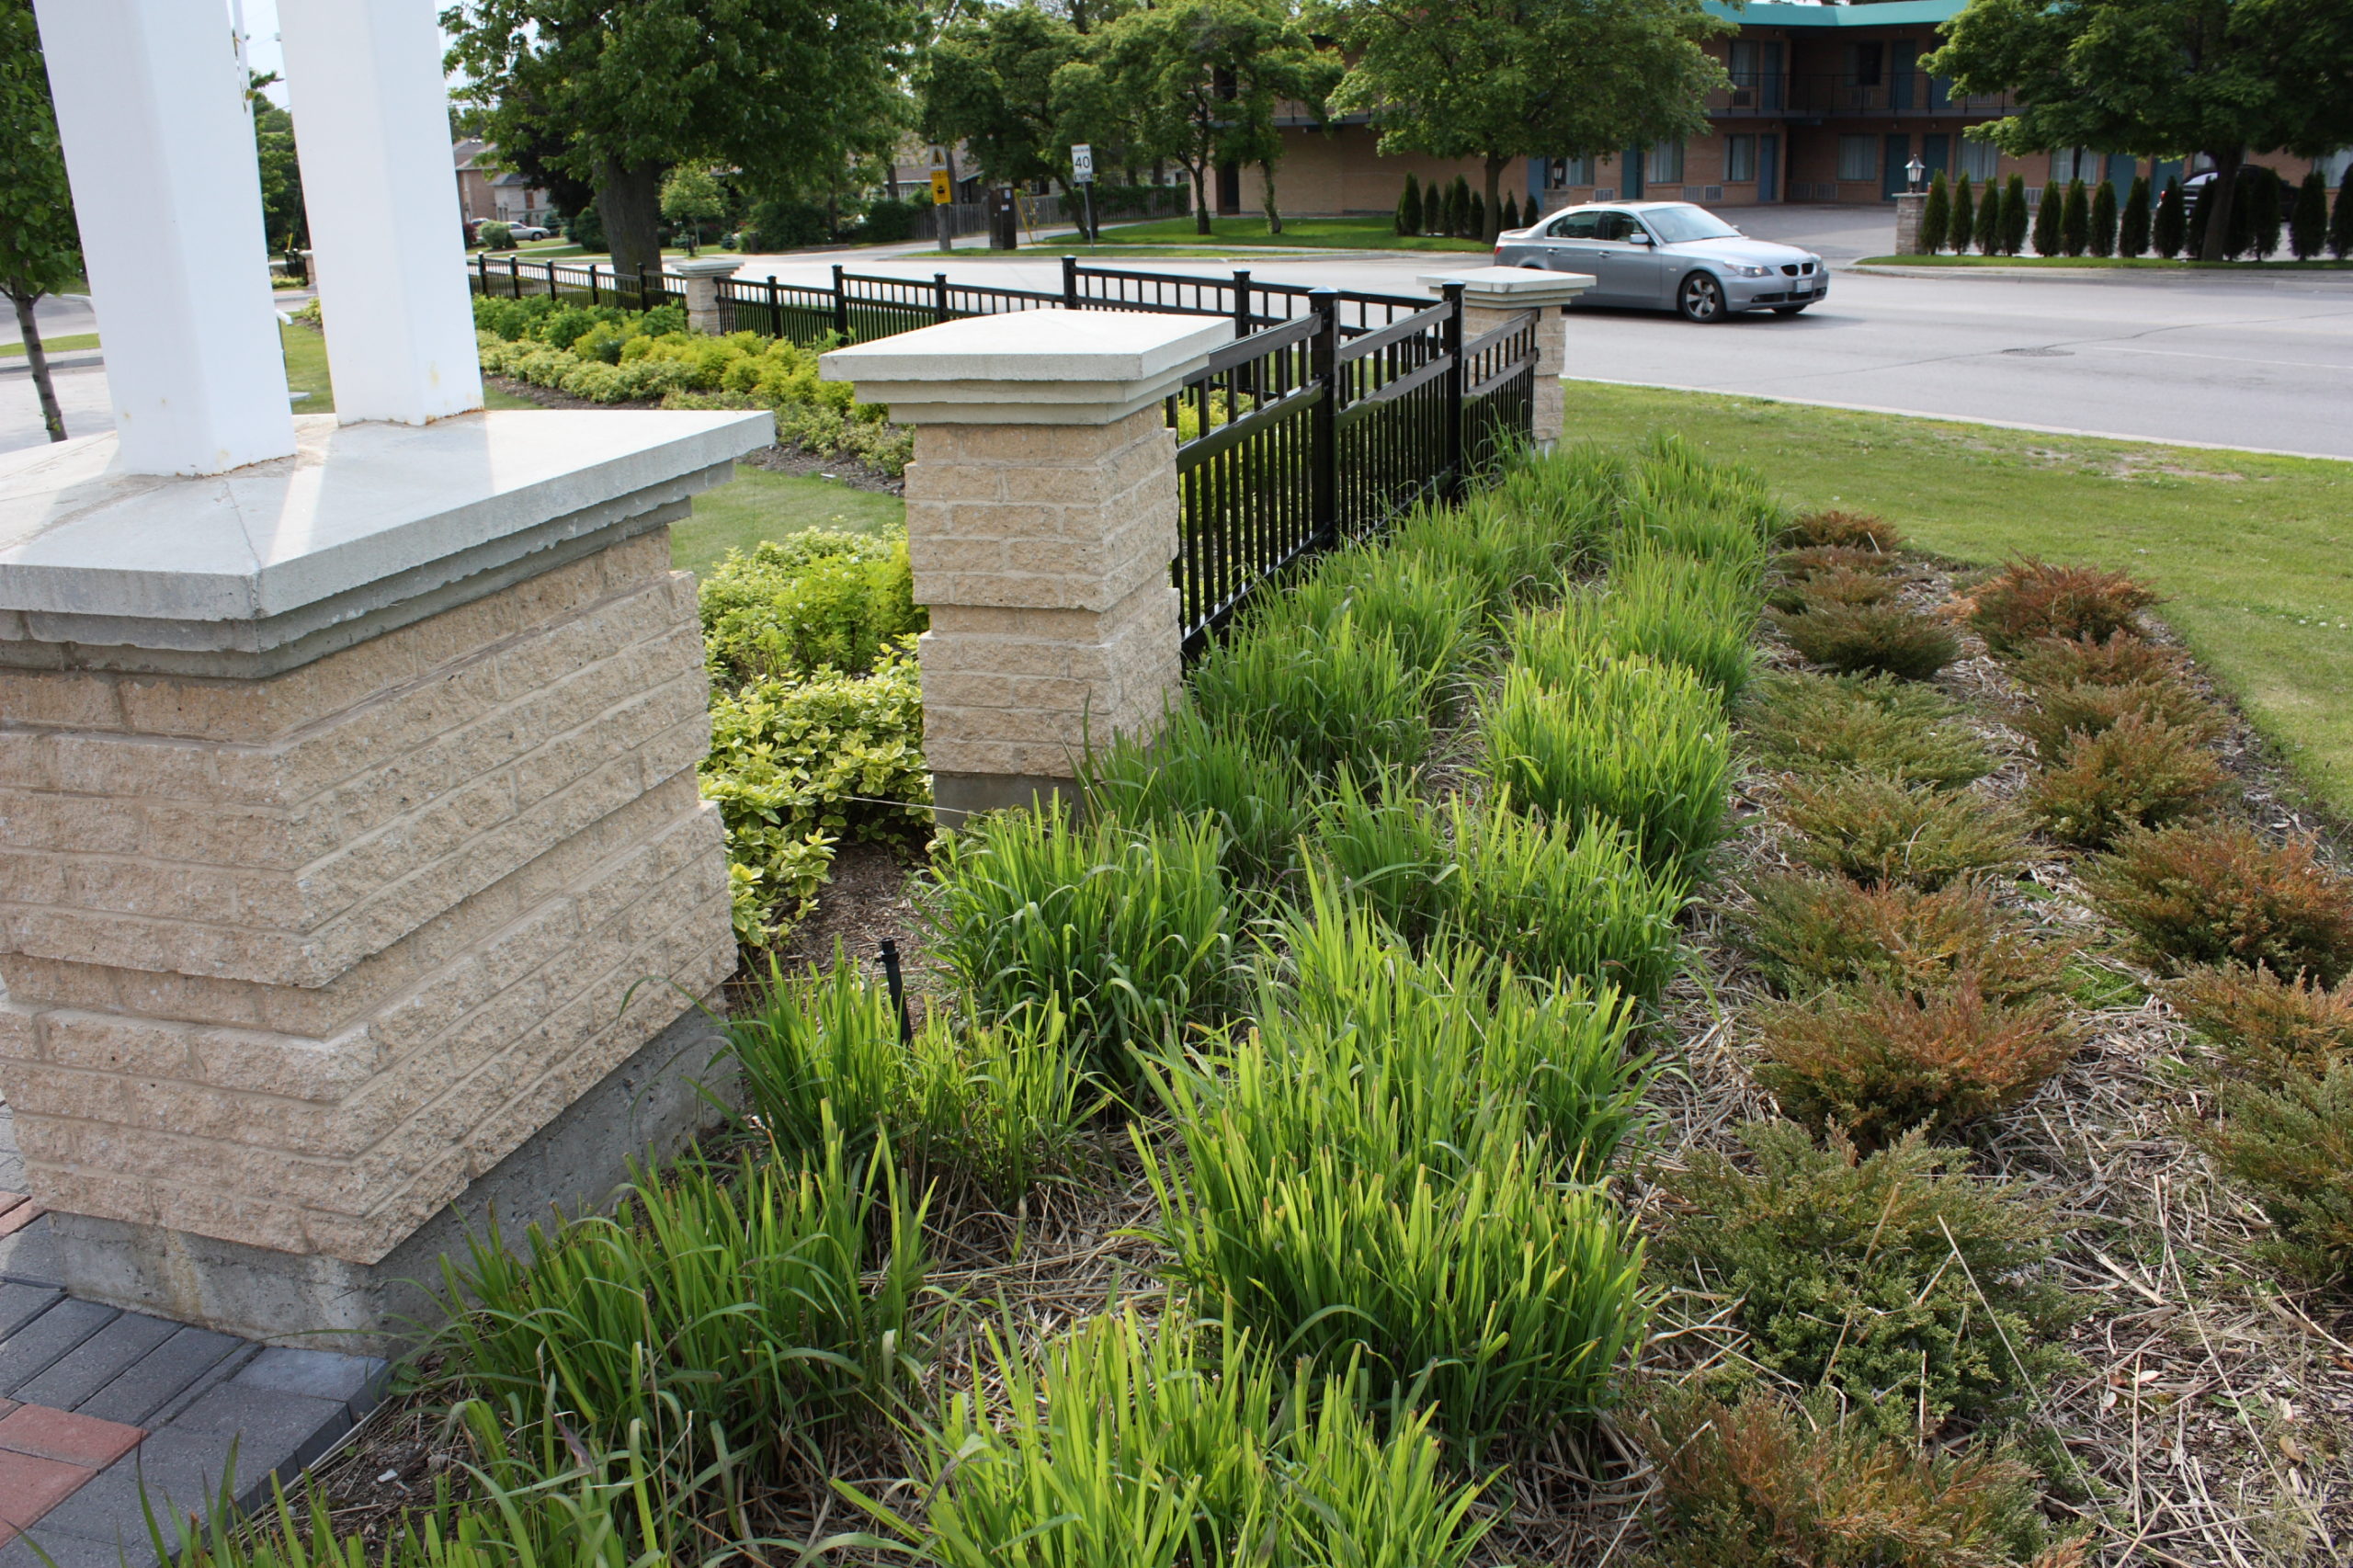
(1753, 271)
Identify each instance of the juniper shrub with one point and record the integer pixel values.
(2213, 892)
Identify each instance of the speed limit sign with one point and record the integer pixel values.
(1082, 163)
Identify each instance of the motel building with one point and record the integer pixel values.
(1827, 104)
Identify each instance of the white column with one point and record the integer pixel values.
(371, 118)
(159, 147)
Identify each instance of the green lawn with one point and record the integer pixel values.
(2254, 554)
(1321, 233)
(763, 504)
(54, 345)
(2149, 263)
(306, 371)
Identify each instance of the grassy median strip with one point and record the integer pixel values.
(2253, 554)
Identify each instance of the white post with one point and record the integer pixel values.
(372, 118)
(159, 147)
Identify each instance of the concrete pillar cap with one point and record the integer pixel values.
(1510, 287)
(705, 266)
(1046, 366)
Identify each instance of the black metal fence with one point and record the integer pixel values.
(1330, 414)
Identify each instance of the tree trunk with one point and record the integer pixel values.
(1495, 224)
(1274, 213)
(51, 416)
(629, 200)
(1199, 173)
(2214, 244)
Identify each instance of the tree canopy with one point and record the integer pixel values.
(616, 91)
(2161, 78)
(41, 244)
(1501, 79)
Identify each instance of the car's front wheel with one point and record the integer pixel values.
(1700, 297)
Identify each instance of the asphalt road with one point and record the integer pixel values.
(2261, 361)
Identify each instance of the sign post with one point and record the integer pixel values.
(943, 198)
(1082, 174)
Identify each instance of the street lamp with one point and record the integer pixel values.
(1914, 170)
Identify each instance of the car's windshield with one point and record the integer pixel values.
(1674, 224)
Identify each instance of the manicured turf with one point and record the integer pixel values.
(54, 345)
(761, 505)
(2253, 554)
(1320, 233)
(2146, 263)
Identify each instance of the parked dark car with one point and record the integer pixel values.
(1668, 255)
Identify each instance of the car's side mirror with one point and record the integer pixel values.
(1638, 238)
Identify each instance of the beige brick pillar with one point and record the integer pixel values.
(1493, 296)
(1041, 520)
(1911, 208)
(353, 874)
(702, 274)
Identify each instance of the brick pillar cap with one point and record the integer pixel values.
(1045, 366)
(1510, 287)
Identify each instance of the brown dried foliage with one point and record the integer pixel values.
(2138, 772)
(2265, 1026)
(2216, 893)
(1808, 932)
(1877, 1061)
(2029, 599)
(1859, 530)
(2123, 658)
(1763, 1482)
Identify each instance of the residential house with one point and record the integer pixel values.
(487, 193)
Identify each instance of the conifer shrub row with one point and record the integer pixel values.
(2135, 773)
(1882, 830)
(1841, 529)
(2266, 1027)
(1805, 932)
(2032, 599)
(2214, 892)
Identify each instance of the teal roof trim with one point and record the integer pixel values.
(1893, 14)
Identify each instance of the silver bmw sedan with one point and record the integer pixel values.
(1668, 255)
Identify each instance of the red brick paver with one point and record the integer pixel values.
(17, 1211)
(30, 1486)
(61, 1435)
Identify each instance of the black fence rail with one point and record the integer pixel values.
(1331, 413)
(588, 283)
(1300, 439)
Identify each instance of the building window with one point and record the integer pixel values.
(1740, 158)
(1561, 172)
(1863, 63)
(1979, 160)
(1663, 164)
(1859, 158)
(2331, 166)
(2074, 163)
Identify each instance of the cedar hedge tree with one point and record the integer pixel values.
(2103, 237)
(1991, 217)
(2169, 230)
(1962, 226)
(2133, 227)
(2308, 226)
(1936, 217)
(2014, 216)
(1409, 206)
(1433, 209)
(2266, 214)
(2340, 220)
(2047, 220)
(2075, 220)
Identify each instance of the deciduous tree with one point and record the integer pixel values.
(1503, 79)
(40, 245)
(787, 91)
(2221, 77)
(988, 82)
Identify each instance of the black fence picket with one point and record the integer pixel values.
(1331, 414)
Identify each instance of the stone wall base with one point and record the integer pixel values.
(649, 1107)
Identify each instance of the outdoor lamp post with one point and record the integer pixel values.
(1914, 170)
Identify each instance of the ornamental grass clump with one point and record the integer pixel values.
(1867, 639)
(1699, 614)
(1813, 724)
(995, 1107)
(1570, 495)
(1384, 848)
(1128, 1446)
(1878, 830)
(1432, 614)
(1877, 1061)
(1497, 1297)
(2214, 892)
(1630, 741)
(1260, 799)
(1898, 1277)
(1760, 1481)
(1510, 550)
(1127, 932)
(2030, 600)
(1677, 497)
(1806, 933)
(1565, 902)
(1328, 699)
(2137, 773)
(770, 1304)
(1449, 1058)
